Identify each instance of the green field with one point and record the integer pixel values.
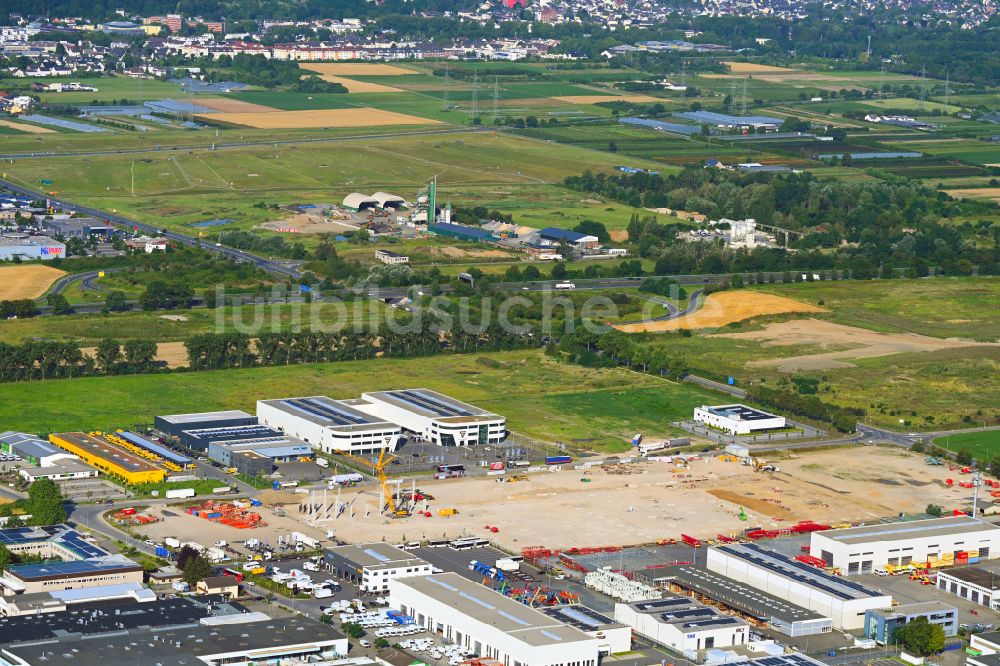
(541, 398)
(108, 88)
(984, 445)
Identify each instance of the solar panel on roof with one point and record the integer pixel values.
(583, 618)
(324, 411)
(429, 403)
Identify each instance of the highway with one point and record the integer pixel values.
(278, 268)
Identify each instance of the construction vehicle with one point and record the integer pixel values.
(762, 465)
(517, 477)
(444, 513)
(931, 460)
(378, 471)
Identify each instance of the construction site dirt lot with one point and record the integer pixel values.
(17, 282)
(724, 308)
(559, 510)
(862, 342)
(360, 117)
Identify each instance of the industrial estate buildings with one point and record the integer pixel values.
(737, 419)
(330, 425)
(959, 539)
(372, 566)
(491, 624)
(435, 417)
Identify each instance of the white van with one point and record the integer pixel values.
(879, 571)
(322, 593)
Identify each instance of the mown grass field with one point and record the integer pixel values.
(178, 188)
(983, 445)
(108, 88)
(540, 397)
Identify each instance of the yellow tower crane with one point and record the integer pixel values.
(378, 471)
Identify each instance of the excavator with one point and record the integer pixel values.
(378, 471)
(762, 465)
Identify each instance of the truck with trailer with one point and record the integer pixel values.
(179, 493)
(299, 537)
(222, 490)
(565, 286)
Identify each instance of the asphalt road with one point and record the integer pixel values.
(278, 268)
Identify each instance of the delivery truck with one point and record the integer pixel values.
(179, 493)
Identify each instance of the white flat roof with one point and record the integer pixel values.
(916, 529)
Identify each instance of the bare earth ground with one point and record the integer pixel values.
(558, 510)
(753, 68)
(459, 253)
(593, 99)
(174, 354)
(724, 308)
(30, 129)
(233, 105)
(32, 281)
(864, 343)
(305, 223)
(361, 117)
(991, 193)
(355, 69)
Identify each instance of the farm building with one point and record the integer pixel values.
(758, 607)
(174, 424)
(372, 565)
(881, 624)
(863, 549)
(435, 417)
(330, 425)
(737, 419)
(489, 623)
(108, 458)
(26, 247)
(980, 586)
(843, 601)
(356, 201)
(683, 624)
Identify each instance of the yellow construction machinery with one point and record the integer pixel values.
(378, 471)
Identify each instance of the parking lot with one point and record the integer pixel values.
(420, 456)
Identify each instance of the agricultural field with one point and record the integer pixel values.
(28, 281)
(542, 398)
(877, 344)
(178, 189)
(109, 88)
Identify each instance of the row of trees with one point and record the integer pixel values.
(614, 348)
(47, 359)
(843, 419)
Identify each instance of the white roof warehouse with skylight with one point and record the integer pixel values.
(372, 565)
(435, 417)
(330, 425)
(490, 624)
(861, 549)
(737, 419)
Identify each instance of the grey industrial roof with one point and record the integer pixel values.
(26, 442)
(725, 119)
(376, 555)
(975, 576)
(802, 573)
(746, 599)
(177, 646)
(739, 412)
(914, 529)
(686, 614)
(62, 467)
(484, 605)
(330, 413)
(206, 416)
(19, 240)
(426, 402)
(919, 608)
(582, 617)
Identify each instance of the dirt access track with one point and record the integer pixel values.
(863, 343)
(17, 282)
(724, 308)
(558, 510)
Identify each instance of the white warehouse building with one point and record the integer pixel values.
(839, 599)
(737, 419)
(372, 565)
(683, 624)
(435, 417)
(861, 549)
(329, 425)
(491, 624)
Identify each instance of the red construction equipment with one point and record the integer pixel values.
(722, 538)
(966, 470)
(949, 482)
(811, 560)
(966, 484)
(691, 541)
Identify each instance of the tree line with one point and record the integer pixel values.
(38, 360)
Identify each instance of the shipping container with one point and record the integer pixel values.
(179, 493)
(558, 460)
(172, 542)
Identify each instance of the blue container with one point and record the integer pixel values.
(255, 502)
(161, 551)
